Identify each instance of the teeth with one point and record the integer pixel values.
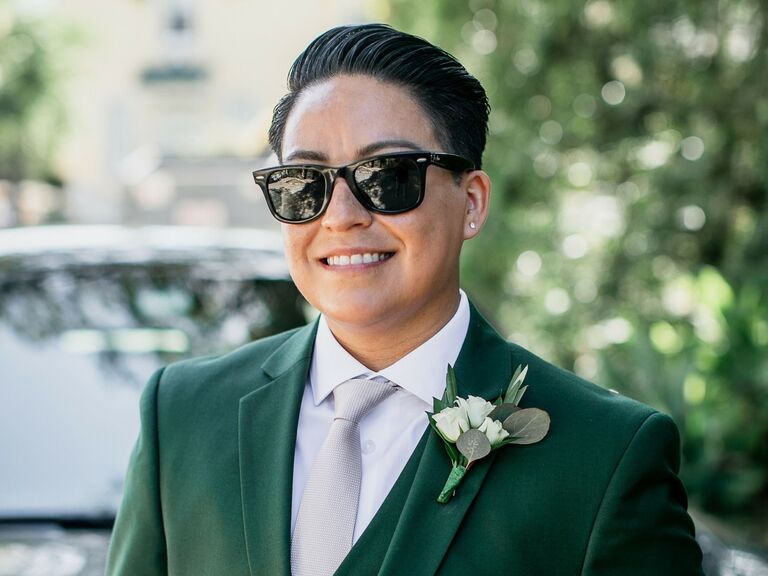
(351, 260)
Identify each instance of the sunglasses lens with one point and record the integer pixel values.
(391, 184)
(296, 193)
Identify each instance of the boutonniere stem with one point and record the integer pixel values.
(472, 427)
(453, 481)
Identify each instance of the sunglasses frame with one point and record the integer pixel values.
(330, 174)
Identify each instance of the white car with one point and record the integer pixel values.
(87, 314)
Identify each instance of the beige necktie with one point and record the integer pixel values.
(325, 523)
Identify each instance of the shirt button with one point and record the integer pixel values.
(369, 446)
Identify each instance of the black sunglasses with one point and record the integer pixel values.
(386, 184)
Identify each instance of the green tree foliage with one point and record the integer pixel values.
(628, 239)
(30, 114)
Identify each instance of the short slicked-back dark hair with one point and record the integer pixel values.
(453, 99)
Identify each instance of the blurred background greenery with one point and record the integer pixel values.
(31, 116)
(629, 235)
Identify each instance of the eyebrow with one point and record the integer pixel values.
(371, 149)
(364, 152)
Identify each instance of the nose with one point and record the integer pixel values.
(344, 211)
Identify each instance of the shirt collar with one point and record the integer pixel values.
(421, 372)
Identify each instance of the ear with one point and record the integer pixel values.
(477, 188)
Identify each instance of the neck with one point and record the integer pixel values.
(381, 345)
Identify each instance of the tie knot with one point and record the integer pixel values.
(358, 396)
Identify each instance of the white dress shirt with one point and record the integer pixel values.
(390, 432)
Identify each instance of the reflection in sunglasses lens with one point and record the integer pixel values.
(296, 193)
(389, 183)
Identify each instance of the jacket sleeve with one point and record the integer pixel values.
(138, 540)
(642, 526)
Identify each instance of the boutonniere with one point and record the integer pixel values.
(471, 427)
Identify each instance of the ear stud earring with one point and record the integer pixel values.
(472, 225)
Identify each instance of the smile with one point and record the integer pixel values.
(357, 259)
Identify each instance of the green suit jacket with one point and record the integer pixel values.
(208, 490)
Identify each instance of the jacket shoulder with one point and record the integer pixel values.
(578, 406)
(234, 373)
(261, 348)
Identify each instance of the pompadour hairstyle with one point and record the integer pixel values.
(452, 98)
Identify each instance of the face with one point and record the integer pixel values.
(368, 271)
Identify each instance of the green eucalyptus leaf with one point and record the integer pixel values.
(474, 445)
(514, 395)
(438, 405)
(527, 426)
(516, 374)
(451, 386)
(503, 411)
(453, 453)
(519, 395)
(511, 394)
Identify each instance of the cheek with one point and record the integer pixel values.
(441, 228)
(447, 203)
(296, 241)
(433, 245)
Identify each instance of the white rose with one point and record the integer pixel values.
(493, 430)
(452, 422)
(477, 409)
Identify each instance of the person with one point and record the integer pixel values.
(243, 464)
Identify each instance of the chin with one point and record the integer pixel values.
(358, 314)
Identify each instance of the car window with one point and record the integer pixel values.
(77, 344)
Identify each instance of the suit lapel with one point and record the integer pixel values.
(369, 551)
(268, 418)
(426, 528)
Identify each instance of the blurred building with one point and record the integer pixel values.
(169, 101)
